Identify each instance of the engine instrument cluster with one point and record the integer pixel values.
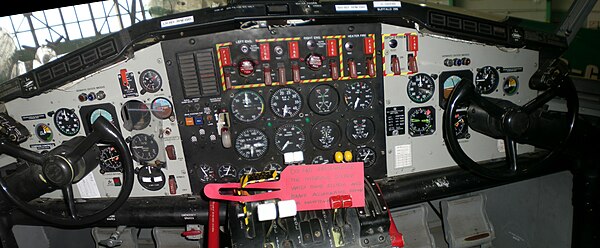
(283, 100)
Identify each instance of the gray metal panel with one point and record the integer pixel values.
(429, 152)
(107, 81)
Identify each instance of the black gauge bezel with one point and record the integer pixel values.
(60, 127)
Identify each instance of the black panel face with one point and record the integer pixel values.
(311, 94)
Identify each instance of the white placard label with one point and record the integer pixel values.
(177, 21)
(386, 4)
(500, 146)
(403, 156)
(351, 7)
(87, 187)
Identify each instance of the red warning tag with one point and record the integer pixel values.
(311, 186)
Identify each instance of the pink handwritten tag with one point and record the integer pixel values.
(311, 186)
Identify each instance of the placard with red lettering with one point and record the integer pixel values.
(311, 186)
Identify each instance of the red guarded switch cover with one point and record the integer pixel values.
(225, 55)
(369, 46)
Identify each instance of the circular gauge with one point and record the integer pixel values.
(207, 173)
(286, 102)
(486, 80)
(323, 99)
(110, 160)
(44, 132)
(366, 155)
(150, 81)
(511, 85)
(289, 138)
(136, 115)
(161, 108)
(227, 171)
(273, 166)
(246, 170)
(461, 127)
(151, 178)
(143, 147)
(360, 130)
(247, 106)
(325, 135)
(100, 112)
(420, 88)
(358, 96)
(66, 121)
(421, 121)
(320, 160)
(251, 143)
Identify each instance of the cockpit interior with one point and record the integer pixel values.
(305, 124)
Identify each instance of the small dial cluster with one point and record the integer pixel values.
(286, 102)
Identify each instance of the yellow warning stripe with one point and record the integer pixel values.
(383, 36)
(333, 36)
(374, 55)
(277, 39)
(221, 65)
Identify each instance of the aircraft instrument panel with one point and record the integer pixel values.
(212, 107)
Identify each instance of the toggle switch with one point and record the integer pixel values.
(296, 73)
(281, 75)
(334, 70)
(396, 65)
(412, 63)
(267, 75)
(352, 68)
(227, 78)
(370, 67)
